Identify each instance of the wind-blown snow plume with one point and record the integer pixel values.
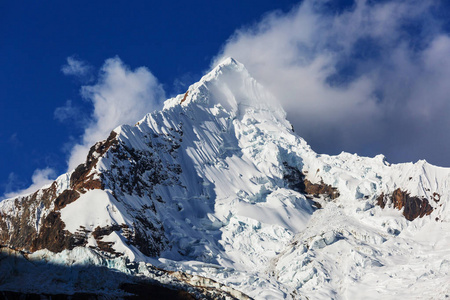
(120, 96)
(367, 78)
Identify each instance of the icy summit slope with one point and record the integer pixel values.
(217, 184)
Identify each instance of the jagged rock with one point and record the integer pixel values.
(52, 235)
(184, 97)
(82, 179)
(413, 207)
(17, 230)
(298, 182)
(66, 197)
(436, 197)
(321, 188)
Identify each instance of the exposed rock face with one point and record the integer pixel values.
(413, 207)
(47, 230)
(297, 181)
(36, 221)
(321, 188)
(4, 236)
(100, 232)
(52, 235)
(138, 172)
(66, 197)
(18, 230)
(436, 197)
(82, 178)
(184, 97)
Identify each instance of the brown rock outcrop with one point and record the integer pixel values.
(66, 197)
(184, 97)
(52, 235)
(413, 206)
(297, 181)
(321, 188)
(82, 179)
(16, 230)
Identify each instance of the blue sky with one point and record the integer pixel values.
(362, 76)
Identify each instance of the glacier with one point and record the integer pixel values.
(218, 185)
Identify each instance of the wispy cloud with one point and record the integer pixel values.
(14, 140)
(40, 178)
(372, 77)
(120, 96)
(70, 113)
(78, 68)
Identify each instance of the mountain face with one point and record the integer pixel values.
(218, 185)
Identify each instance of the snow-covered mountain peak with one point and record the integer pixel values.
(225, 66)
(230, 86)
(217, 184)
(227, 63)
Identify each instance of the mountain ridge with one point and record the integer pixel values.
(218, 185)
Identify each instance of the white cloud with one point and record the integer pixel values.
(70, 113)
(77, 68)
(40, 178)
(120, 96)
(371, 78)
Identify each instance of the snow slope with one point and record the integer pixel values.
(207, 183)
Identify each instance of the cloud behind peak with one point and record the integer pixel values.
(120, 96)
(370, 78)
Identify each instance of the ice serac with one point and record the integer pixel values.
(217, 185)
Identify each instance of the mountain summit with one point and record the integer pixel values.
(217, 186)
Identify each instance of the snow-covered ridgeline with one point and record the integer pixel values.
(204, 182)
(251, 202)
